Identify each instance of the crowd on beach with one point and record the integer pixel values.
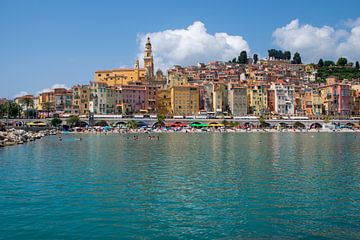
(109, 130)
(13, 136)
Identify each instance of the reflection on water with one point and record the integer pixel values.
(258, 185)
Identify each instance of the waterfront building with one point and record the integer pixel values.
(206, 97)
(283, 98)
(81, 98)
(185, 100)
(219, 97)
(355, 100)
(237, 100)
(163, 102)
(26, 102)
(335, 97)
(62, 100)
(46, 104)
(257, 98)
(311, 102)
(134, 98)
(104, 99)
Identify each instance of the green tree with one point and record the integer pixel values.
(234, 60)
(296, 58)
(29, 103)
(242, 59)
(287, 55)
(10, 109)
(55, 122)
(262, 121)
(160, 119)
(255, 58)
(328, 63)
(132, 124)
(73, 120)
(320, 63)
(357, 65)
(341, 61)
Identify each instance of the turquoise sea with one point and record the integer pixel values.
(183, 186)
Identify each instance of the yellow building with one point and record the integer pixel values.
(257, 98)
(185, 100)
(80, 99)
(122, 76)
(46, 101)
(176, 79)
(163, 101)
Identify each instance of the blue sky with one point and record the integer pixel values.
(43, 43)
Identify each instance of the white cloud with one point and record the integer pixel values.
(320, 42)
(57, 85)
(191, 45)
(20, 94)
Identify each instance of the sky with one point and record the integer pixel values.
(63, 42)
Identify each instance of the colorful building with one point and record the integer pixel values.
(185, 100)
(163, 100)
(237, 100)
(257, 98)
(81, 98)
(283, 98)
(336, 97)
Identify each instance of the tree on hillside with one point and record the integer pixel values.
(328, 63)
(287, 55)
(255, 58)
(357, 65)
(296, 58)
(320, 63)
(341, 61)
(243, 57)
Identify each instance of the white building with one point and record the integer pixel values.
(284, 98)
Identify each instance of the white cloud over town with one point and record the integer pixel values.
(320, 42)
(191, 45)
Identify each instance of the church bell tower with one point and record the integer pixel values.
(148, 60)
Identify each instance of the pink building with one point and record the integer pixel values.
(134, 98)
(336, 97)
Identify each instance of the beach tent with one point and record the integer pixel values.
(198, 125)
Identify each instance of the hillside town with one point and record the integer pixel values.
(275, 86)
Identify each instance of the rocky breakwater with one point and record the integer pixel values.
(16, 136)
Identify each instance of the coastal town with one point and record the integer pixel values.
(276, 87)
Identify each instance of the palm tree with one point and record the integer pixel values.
(262, 121)
(28, 102)
(73, 120)
(160, 120)
(132, 124)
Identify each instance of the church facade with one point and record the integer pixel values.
(124, 76)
